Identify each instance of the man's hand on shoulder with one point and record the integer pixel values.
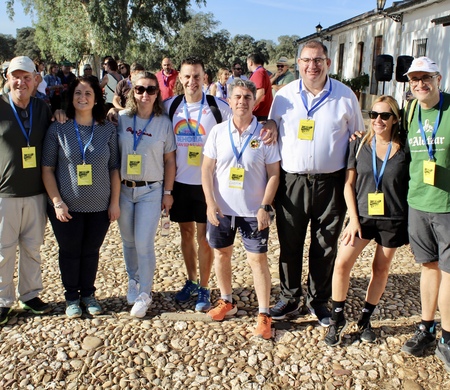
(269, 132)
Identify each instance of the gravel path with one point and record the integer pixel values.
(175, 348)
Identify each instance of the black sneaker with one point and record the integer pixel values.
(5, 315)
(367, 335)
(282, 309)
(335, 332)
(36, 306)
(421, 340)
(443, 353)
(322, 314)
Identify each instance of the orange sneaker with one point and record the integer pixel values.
(263, 328)
(222, 309)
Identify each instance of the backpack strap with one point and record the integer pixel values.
(214, 108)
(408, 114)
(212, 103)
(175, 103)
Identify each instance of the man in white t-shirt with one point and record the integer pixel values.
(192, 118)
(240, 177)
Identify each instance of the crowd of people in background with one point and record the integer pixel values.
(220, 157)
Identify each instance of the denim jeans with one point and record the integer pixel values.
(79, 243)
(140, 209)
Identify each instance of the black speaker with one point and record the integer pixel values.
(403, 64)
(384, 67)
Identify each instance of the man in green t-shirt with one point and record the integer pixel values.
(429, 204)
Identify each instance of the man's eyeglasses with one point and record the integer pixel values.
(384, 115)
(237, 68)
(151, 89)
(88, 69)
(317, 61)
(425, 79)
(281, 66)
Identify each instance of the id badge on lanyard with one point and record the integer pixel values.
(134, 164)
(29, 157)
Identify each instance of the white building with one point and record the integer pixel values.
(422, 28)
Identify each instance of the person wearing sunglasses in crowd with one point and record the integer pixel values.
(124, 70)
(237, 71)
(124, 86)
(375, 194)
(80, 170)
(429, 204)
(282, 76)
(87, 72)
(147, 147)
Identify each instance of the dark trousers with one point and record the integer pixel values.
(300, 200)
(79, 242)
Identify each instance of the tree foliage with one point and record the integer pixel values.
(26, 45)
(7, 46)
(70, 28)
(287, 46)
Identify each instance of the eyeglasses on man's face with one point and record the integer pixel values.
(384, 115)
(240, 69)
(281, 66)
(140, 89)
(426, 79)
(318, 61)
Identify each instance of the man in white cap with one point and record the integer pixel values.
(23, 123)
(282, 76)
(428, 125)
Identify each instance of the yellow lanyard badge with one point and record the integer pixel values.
(237, 178)
(375, 202)
(134, 164)
(29, 157)
(84, 174)
(306, 129)
(429, 172)
(194, 155)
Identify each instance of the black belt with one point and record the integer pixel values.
(132, 184)
(321, 176)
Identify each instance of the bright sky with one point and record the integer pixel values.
(261, 19)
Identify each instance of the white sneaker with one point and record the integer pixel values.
(141, 305)
(133, 291)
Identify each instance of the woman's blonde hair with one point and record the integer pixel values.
(220, 72)
(131, 101)
(395, 132)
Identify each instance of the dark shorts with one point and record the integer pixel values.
(429, 235)
(189, 203)
(222, 236)
(387, 233)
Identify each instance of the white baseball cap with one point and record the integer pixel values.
(423, 64)
(22, 63)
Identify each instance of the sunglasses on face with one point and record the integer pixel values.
(384, 115)
(237, 68)
(280, 66)
(151, 89)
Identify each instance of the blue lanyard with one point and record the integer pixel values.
(374, 162)
(186, 114)
(305, 100)
(137, 139)
(80, 142)
(224, 90)
(27, 135)
(435, 129)
(239, 155)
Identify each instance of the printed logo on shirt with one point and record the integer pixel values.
(138, 133)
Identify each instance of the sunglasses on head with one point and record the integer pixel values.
(151, 89)
(384, 115)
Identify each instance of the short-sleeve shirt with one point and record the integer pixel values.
(167, 83)
(393, 182)
(16, 181)
(62, 151)
(185, 137)
(233, 201)
(421, 196)
(158, 139)
(262, 81)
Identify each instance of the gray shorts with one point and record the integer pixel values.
(429, 237)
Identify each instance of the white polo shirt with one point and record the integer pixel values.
(192, 174)
(335, 119)
(233, 201)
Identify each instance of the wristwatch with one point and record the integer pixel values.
(167, 192)
(266, 207)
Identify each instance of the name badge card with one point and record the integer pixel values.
(194, 155)
(429, 172)
(306, 129)
(134, 164)
(375, 202)
(84, 174)
(237, 178)
(29, 157)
